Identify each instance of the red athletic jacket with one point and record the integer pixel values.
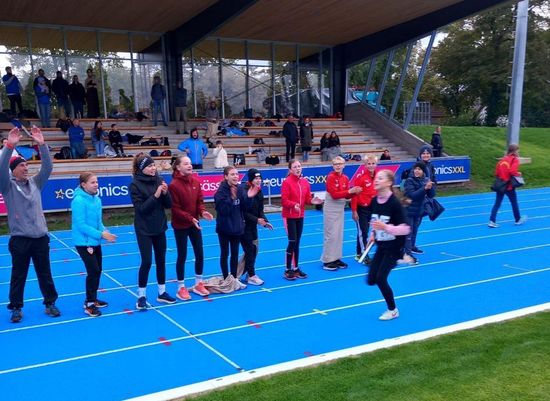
(338, 186)
(365, 181)
(506, 168)
(295, 191)
(187, 200)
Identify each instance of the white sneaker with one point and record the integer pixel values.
(389, 314)
(492, 224)
(522, 220)
(255, 280)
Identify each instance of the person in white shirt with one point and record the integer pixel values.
(220, 155)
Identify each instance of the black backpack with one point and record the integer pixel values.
(259, 141)
(239, 159)
(66, 153)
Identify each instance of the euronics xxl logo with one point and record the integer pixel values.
(106, 191)
(450, 170)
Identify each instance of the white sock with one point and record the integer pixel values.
(181, 284)
(198, 278)
(141, 292)
(162, 289)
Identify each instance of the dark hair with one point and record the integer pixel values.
(219, 142)
(84, 177)
(137, 160)
(513, 148)
(176, 162)
(113, 125)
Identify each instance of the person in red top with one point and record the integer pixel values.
(507, 167)
(338, 191)
(360, 204)
(187, 209)
(295, 195)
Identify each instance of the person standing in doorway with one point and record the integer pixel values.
(290, 132)
(28, 232)
(158, 95)
(181, 108)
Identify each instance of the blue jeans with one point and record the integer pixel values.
(99, 148)
(44, 109)
(410, 241)
(511, 194)
(158, 105)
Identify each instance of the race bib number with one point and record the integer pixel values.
(380, 235)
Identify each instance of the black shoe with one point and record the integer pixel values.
(166, 298)
(16, 315)
(289, 275)
(98, 303)
(331, 266)
(341, 264)
(92, 310)
(141, 303)
(367, 261)
(52, 310)
(299, 274)
(417, 251)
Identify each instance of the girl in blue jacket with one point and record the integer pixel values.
(87, 232)
(417, 187)
(230, 208)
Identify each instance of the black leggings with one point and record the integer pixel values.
(250, 249)
(146, 245)
(181, 235)
(294, 228)
(227, 242)
(382, 264)
(93, 264)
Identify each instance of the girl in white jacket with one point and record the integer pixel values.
(220, 156)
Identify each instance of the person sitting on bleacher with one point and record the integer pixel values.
(115, 139)
(195, 148)
(76, 140)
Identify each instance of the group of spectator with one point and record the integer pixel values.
(99, 138)
(70, 98)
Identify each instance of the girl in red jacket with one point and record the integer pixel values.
(338, 190)
(506, 168)
(187, 209)
(295, 194)
(360, 204)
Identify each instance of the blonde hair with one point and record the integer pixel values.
(338, 159)
(370, 157)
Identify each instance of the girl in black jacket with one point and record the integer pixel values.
(254, 216)
(230, 206)
(150, 197)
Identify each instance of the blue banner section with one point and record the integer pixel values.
(114, 190)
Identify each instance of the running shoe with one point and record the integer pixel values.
(16, 315)
(417, 250)
(492, 224)
(200, 289)
(299, 274)
(183, 294)
(52, 310)
(141, 303)
(254, 280)
(522, 220)
(289, 275)
(166, 298)
(332, 266)
(389, 314)
(341, 265)
(92, 310)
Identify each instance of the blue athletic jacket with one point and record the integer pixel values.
(229, 212)
(87, 225)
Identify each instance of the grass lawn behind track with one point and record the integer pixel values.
(485, 144)
(502, 362)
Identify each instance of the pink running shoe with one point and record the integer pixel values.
(183, 294)
(201, 290)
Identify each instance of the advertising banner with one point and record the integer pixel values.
(114, 190)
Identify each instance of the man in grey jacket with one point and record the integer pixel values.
(27, 225)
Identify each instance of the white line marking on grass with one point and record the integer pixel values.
(246, 376)
(278, 320)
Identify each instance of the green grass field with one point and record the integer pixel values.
(485, 144)
(499, 362)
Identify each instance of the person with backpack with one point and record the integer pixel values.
(389, 229)
(254, 216)
(230, 201)
(417, 187)
(506, 168)
(87, 232)
(295, 195)
(27, 226)
(306, 137)
(150, 197)
(187, 210)
(195, 148)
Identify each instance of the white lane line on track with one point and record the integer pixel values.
(270, 321)
(291, 286)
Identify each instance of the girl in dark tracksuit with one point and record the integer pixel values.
(417, 188)
(150, 197)
(389, 231)
(230, 206)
